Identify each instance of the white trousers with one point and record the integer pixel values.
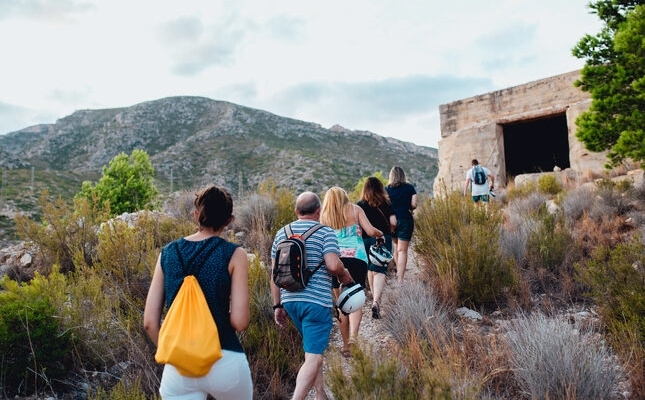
(229, 378)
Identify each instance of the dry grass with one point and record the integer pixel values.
(553, 359)
(437, 355)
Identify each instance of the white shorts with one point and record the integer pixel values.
(229, 378)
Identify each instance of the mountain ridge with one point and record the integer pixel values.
(193, 141)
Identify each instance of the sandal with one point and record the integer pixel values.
(347, 353)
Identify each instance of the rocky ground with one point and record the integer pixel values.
(370, 328)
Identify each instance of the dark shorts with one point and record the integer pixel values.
(388, 245)
(404, 229)
(482, 197)
(357, 269)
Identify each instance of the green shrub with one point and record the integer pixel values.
(35, 351)
(616, 278)
(126, 185)
(548, 184)
(459, 243)
(550, 244)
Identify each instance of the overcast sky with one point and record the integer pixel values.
(379, 65)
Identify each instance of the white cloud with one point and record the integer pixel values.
(382, 66)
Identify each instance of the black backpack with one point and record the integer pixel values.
(479, 175)
(290, 270)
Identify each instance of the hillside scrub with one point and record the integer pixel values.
(468, 258)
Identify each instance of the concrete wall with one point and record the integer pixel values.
(472, 127)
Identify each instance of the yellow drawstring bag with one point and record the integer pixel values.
(188, 338)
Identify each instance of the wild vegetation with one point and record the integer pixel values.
(74, 324)
(614, 75)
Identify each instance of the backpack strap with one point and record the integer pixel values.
(309, 231)
(289, 232)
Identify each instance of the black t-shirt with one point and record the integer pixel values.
(380, 219)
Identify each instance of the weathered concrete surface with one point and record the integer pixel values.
(473, 128)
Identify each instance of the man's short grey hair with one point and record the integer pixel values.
(307, 203)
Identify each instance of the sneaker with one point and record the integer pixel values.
(376, 311)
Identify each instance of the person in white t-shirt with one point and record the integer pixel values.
(480, 181)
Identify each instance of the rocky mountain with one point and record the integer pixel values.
(193, 141)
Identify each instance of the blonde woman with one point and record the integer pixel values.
(403, 197)
(348, 221)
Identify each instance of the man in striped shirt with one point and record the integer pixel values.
(310, 308)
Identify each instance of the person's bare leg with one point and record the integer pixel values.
(319, 384)
(308, 374)
(401, 259)
(370, 281)
(343, 326)
(355, 319)
(379, 285)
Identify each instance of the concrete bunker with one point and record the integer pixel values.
(517, 132)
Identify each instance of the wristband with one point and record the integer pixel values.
(277, 306)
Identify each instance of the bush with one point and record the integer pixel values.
(415, 311)
(459, 243)
(65, 236)
(256, 218)
(616, 278)
(611, 199)
(552, 359)
(261, 215)
(35, 351)
(550, 243)
(126, 185)
(576, 203)
(548, 184)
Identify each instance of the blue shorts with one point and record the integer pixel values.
(482, 197)
(314, 323)
(404, 229)
(388, 245)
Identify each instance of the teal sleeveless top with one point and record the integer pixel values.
(350, 241)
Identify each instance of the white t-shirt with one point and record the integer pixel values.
(478, 190)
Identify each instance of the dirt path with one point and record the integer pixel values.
(370, 328)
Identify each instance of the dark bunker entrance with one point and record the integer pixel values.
(536, 145)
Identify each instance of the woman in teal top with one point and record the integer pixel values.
(348, 221)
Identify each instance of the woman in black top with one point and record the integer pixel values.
(376, 204)
(403, 197)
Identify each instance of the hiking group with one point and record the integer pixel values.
(312, 274)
